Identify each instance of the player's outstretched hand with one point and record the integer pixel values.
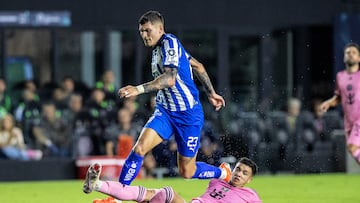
(325, 106)
(217, 101)
(128, 91)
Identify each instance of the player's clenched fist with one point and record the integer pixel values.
(128, 91)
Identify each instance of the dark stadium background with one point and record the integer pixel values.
(259, 53)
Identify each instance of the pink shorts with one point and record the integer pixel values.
(354, 136)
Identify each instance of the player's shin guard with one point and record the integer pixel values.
(123, 192)
(206, 171)
(165, 194)
(356, 155)
(131, 168)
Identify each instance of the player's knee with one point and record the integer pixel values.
(351, 148)
(140, 150)
(186, 173)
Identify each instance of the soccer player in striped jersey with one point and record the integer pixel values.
(178, 109)
(218, 191)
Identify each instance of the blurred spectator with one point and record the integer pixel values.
(59, 99)
(52, 132)
(6, 103)
(98, 111)
(74, 107)
(130, 104)
(31, 85)
(292, 120)
(26, 113)
(107, 84)
(124, 127)
(138, 114)
(77, 119)
(293, 111)
(12, 144)
(319, 122)
(68, 87)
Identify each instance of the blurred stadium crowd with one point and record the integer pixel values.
(72, 120)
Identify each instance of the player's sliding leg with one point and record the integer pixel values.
(163, 195)
(115, 189)
(125, 192)
(122, 192)
(189, 168)
(138, 193)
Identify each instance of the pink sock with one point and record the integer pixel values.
(123, 192)
(356, 155)
(164, 195)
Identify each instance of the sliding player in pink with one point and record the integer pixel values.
(348, 94)
(218, 191)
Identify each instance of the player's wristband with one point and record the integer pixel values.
(140, 89)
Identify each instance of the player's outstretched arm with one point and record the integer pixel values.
(165, 80)
(333, 101)
(200, 72)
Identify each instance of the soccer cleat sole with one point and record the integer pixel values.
(92, 175)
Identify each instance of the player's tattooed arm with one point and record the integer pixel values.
(165, 80)
(201, 74)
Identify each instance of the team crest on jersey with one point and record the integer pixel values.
(172, 57)
(225, 189)
(349, 87)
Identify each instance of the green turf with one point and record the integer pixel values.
(327, 188)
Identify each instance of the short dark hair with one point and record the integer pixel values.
(352, 44)
(67, 77)
(250, 163)
(151, 16)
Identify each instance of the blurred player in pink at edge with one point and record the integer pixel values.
(347, 93)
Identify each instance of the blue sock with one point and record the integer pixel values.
(206, 171)
(131, 168)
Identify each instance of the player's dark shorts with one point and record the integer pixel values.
(184, 125)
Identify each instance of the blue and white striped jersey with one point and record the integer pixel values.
(170, 53)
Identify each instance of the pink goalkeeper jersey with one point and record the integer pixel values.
(219, 191)
(348, 88)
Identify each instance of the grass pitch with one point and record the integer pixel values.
(327, 188)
